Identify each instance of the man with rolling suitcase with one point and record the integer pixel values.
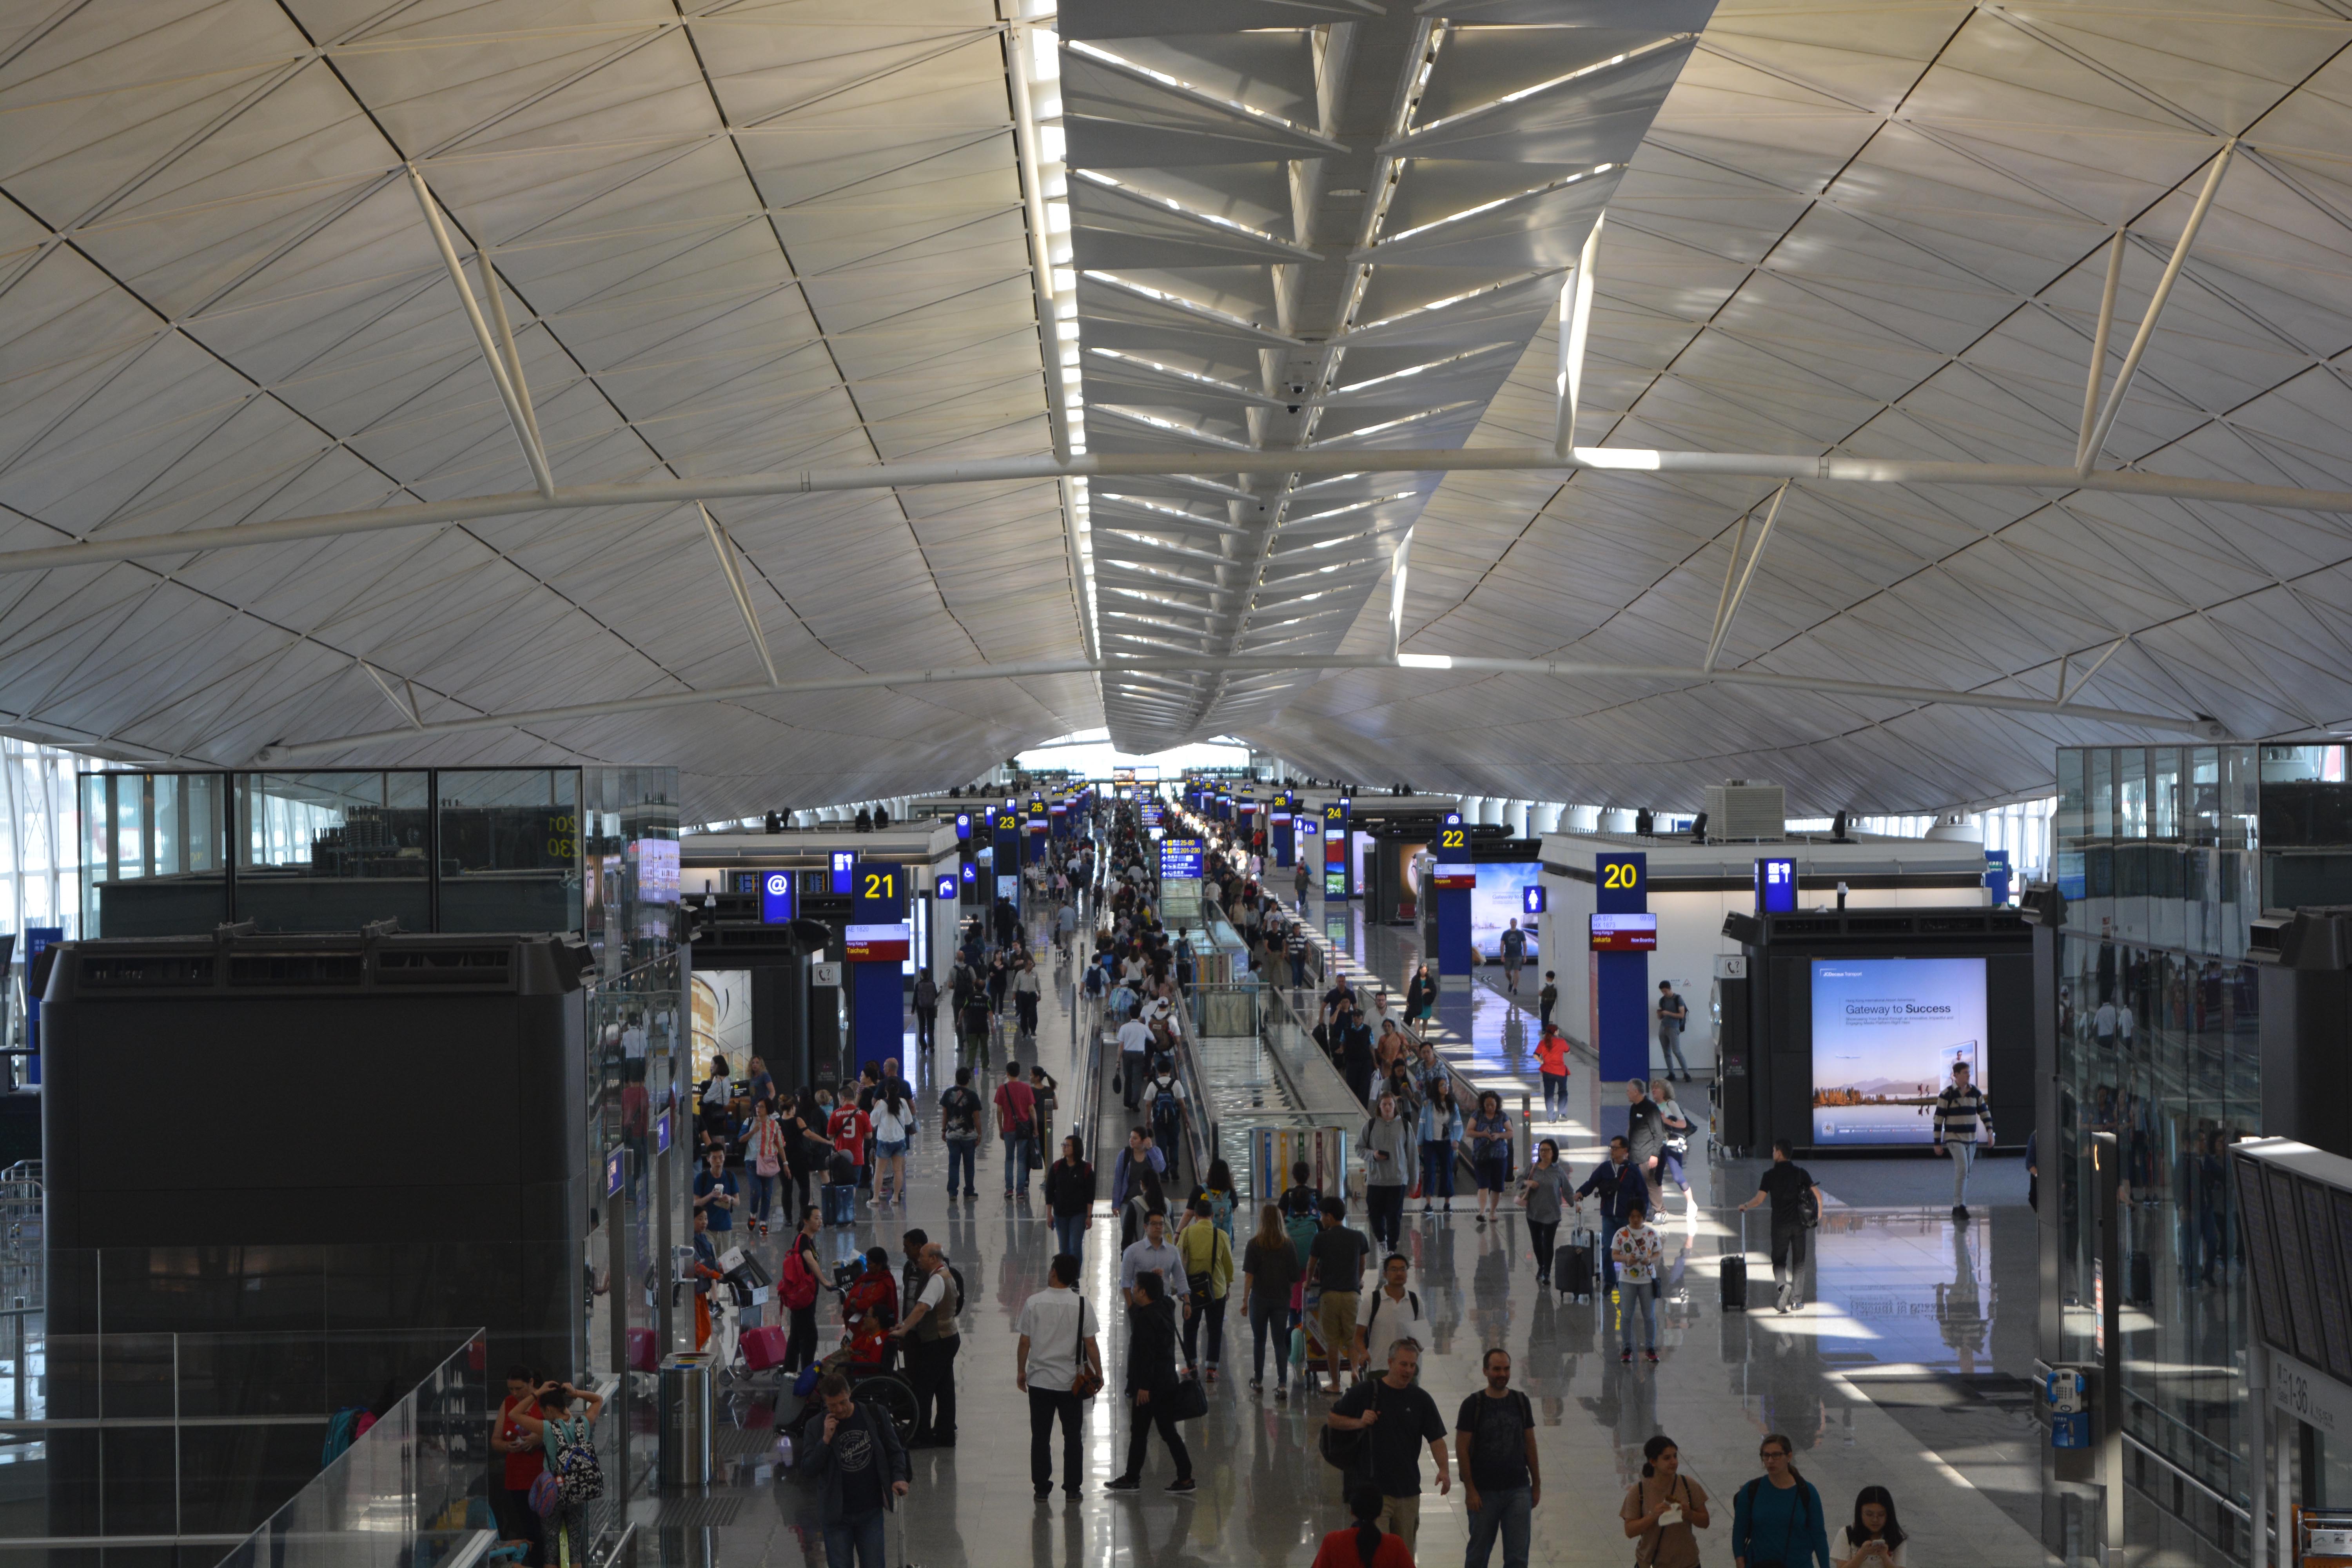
(1619, 1187)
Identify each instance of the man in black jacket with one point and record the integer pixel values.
(860, 1467)
(1619, 1186)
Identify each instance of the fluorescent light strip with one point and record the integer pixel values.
(1096, 177)
(1097, 52)
(1412, 370)
(1163, 296)
(1526, 92)
(1210, 383)
(1497, 202)
(1344, 511)
(1412, 418)
(1446, 303)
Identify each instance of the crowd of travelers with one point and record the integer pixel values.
(1335, 1307)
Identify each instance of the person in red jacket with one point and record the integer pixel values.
(1364, 1544)
(1551, 1064)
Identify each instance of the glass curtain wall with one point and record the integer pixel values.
(2160, 855)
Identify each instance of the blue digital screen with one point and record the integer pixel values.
(616, 1168)
(1776, 887)
(844, 870)
(776, 898)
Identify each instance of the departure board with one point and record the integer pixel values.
(2261, 1256)
(2294, 1266)
(2326, 1276)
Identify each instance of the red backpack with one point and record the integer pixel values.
(797, 1289)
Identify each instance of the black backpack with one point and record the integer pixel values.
(1346, 1451)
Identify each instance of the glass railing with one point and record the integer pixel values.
(163, 1449)
(406, 1493)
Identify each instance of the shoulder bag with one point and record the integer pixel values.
(1089, 1381)
(1645, 1549)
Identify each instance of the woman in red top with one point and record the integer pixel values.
(1366, 1545)
(526, 1455)
(1551, 1061)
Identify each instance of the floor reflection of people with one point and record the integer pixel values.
(1960, 1305)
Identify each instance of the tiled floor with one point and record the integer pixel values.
(1880, 1380)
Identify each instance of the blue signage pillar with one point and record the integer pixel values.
(1277, 833)
(1037, 831)
(1622, 1007)
(1451, 879)
(37, 941)
(1007, 864)
(877, 954)
(1339, 865)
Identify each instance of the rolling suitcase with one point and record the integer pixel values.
(764, 1348)
(840, 1202)
(1576, 1265)
(1735, 1273)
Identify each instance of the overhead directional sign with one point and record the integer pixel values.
(1179, 859)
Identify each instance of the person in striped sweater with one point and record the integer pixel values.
(1963, 1121)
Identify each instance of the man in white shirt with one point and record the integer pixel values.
(1134, 1050)
(1389, 1314)
(1154, 1254)
(1057, 1330)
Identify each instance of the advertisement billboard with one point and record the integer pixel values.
(1886, 1034)
(1499, 897)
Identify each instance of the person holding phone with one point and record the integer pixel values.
(1874, 1540)
(1663, 1508)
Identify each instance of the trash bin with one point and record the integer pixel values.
(686, 1431)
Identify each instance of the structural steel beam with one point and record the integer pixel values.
(1730, 605)
(1575, 319)
(526, 425)
(1570, 670)
(731, 567)
(2091, 448)
(2099, 347)
(665, 493)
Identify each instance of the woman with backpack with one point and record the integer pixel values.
(798, 1280)
(1677, 1148)
(1663, 1508)
(1217, 1188)
(1776, 1521)
(1364, 1544)
(572, 1479)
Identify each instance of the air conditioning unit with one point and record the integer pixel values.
(1738, 809)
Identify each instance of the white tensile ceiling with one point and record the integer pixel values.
(746, 238)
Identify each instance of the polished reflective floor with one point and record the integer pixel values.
(1905, 1370)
